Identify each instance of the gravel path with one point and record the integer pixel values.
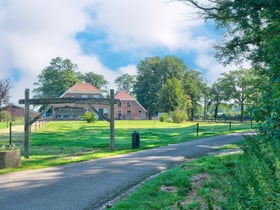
(89, 185)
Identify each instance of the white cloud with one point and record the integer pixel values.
(33, 32)
(138, 24)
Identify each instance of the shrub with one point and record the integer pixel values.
(179, 116)
(255, 180)
(89, 117)
(163, 117)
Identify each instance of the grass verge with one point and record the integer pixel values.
(246, 180)
(197, 184)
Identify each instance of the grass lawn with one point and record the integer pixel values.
(198, 184)
(58, 143)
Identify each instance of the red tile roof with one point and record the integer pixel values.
(122, 95)
(83, 87)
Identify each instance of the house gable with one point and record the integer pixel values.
(83, 90)
(129, 108)
(75, 111)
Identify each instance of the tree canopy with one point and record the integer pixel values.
(60, 75)
(95, 79)
(252, 33)
(5, 87)
(125, 82)
(152, 75)
(56, 78)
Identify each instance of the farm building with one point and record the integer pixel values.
(128, 109)
(17, 111)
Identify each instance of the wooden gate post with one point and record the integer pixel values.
(112, 120)
(26, 124)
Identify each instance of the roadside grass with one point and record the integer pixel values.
(62, 142)
(246, 179)
(196, 184)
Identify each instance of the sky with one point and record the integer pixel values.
(107, 37)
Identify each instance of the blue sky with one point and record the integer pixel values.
(107, 37)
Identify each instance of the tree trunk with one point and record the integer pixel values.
(242, 112)
(216, 111)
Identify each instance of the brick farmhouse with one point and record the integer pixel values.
(129, 108)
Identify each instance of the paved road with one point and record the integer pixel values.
(90, 184)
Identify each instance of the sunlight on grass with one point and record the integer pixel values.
(197, 184)
(62, 142)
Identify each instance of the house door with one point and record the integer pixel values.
(101, 112)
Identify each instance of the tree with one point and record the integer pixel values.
(238, 85)
(252, 32)
(148, 84)
(173, 97)
(193, 86)
(152, 74)
(125, 82)
(5, 87)
(55, 79)
(217, 96)
(95, 79)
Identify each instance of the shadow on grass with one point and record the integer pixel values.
(61, 142)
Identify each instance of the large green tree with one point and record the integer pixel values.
(172, 96)
(238, 86)
(95, 79)
(217, 95)
(148, 84)
(194, 87)
(152, 74)
(252, 32)
(125, 82)
(56, 78)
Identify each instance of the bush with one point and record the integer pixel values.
(255, 180)
(163, 117)
(89, 117)
(179, 116)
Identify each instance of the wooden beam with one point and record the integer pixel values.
(37, 117)
(26, 124)
(38, 101)
(112, 120)
(97, 112)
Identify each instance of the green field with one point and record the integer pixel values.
(64, 142)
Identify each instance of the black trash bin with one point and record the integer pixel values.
(135, 140)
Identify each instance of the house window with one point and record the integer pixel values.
(84, 96)
(140, 114)
(129, 104)
(95, 96)
(119, 115)
(119, 104)
(128, 114)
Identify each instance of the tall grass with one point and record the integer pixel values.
(255, 181)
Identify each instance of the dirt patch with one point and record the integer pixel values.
(171, 189)
(197, 182)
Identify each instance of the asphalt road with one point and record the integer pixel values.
(88, 185)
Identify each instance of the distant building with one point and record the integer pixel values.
(75, 111)
(17, 111)
(129, 108)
